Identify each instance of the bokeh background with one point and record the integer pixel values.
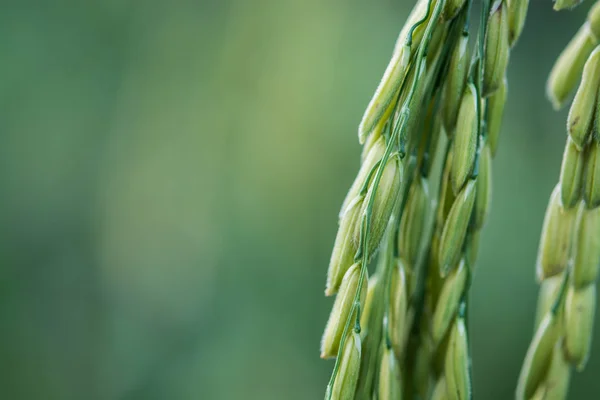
(170, 176)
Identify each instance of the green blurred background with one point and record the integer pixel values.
(170, 177)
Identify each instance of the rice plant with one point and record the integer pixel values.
(405, 252)
(569, 251)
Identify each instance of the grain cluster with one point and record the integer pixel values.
(569, 250)
(409, 227)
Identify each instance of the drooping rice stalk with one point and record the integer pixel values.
(422, 196)
(569, 251)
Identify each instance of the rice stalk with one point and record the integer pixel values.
(409, 316)
(569, 252)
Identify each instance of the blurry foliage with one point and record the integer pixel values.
(171, 174)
